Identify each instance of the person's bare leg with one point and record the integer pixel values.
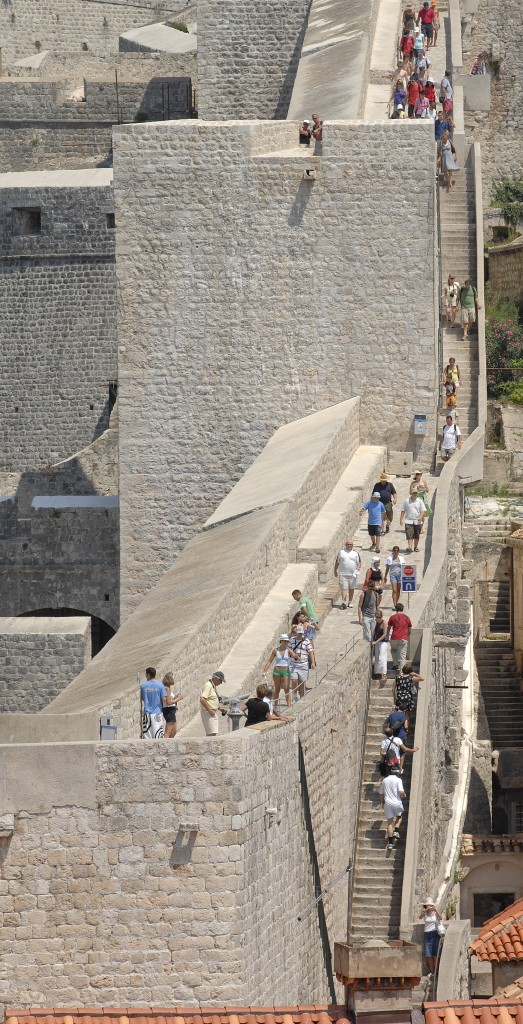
(277, 684)
(410, 543)
(287, 691)
(351, 596)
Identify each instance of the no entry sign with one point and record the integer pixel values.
(408, 579)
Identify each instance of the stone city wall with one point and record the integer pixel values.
(248, 54)
(38, 658)
(58, 343)
(28, 28)
(229, 336)
(141, 67)
(101, 101)
(153, 874)
(496, 28)
(62, 558)
(506, 270)
(54, 146)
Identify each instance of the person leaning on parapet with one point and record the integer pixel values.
(348, 565)
(450, 438)
(317, 128)
(388, 497)
(367, 606)
(305, 133)
(258, 709)
(377, 519)
(153, 696)
(210, 704)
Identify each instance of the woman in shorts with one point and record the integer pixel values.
(282, 656)
(170, 707)
(450, 298)
(393, 570)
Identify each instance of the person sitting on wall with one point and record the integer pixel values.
(317, 129)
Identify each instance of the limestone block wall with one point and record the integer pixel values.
(248, 53)
(58, 340)
(62, 558)
(69, 25)
(152, 873)
(496, 29)
(102, 101)
(38, 658)
(506, 270)
(141, 66)
(54, 146)
(227, 336)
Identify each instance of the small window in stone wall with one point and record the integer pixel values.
(27, 220)
(110, 221)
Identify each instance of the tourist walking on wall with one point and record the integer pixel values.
(377, 519)
(451, 292)
(392, 751)
(452, 370)
(379, 643)
(282, 656)
(393, 570)
(347, 567)
(391, 796)
(303, 652)
(405, 688)
(421, 490)
(468, 300)
(375, 574)
(367, 607)
(447, 158)
(388, 497)
(210, 704)
(450, 438)
(305, 604)
(431, 939)
(153, 696)
(399, 628)
(426, 15)
(170, 707)
(412, 516)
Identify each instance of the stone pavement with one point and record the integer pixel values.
(339, 627)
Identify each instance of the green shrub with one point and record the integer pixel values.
(513, 391)
(177, 24)
(507, 193)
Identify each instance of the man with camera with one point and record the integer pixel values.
(210, 704)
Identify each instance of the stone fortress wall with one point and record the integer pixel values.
(57, 303)
(251, 346)
(31, 649)
(496, 27)
(26, 28)
(129, 66)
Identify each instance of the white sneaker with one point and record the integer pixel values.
(350, 604)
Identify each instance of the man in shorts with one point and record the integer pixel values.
(388, 497)
(391, 796)
(348, 565)
(412, 516)
(450, 438)
(304, 654)
(377, 519)
(468, 300)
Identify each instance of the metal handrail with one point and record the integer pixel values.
(339, 655)
(358, 806)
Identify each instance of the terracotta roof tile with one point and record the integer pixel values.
(501, 938)
(469, 1011)
(179, 1015)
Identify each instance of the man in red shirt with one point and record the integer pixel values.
(426, 15)
(413, 90)
(398, 629)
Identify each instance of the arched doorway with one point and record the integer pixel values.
(101, 632)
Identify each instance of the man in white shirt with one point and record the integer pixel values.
(450, 438)
(412, 515)
(391, 794)
(348, 564)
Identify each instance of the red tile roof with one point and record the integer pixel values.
(177, 1015)
(501, 938)
(475, 1011)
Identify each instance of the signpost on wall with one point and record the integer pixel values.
(408, 581)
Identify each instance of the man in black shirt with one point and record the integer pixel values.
(388, 497)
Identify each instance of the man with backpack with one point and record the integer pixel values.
(392, 751)
(450, 438)
(468, 300)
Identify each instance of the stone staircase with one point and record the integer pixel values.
(501, 691)
(458, 257)
(499, 607)
(378, 876)
(492, 529)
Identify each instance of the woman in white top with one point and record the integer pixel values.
(431, 919)
(393, 569)
(282, 656)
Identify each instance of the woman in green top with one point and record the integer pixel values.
(468, 300)
(420, 489)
